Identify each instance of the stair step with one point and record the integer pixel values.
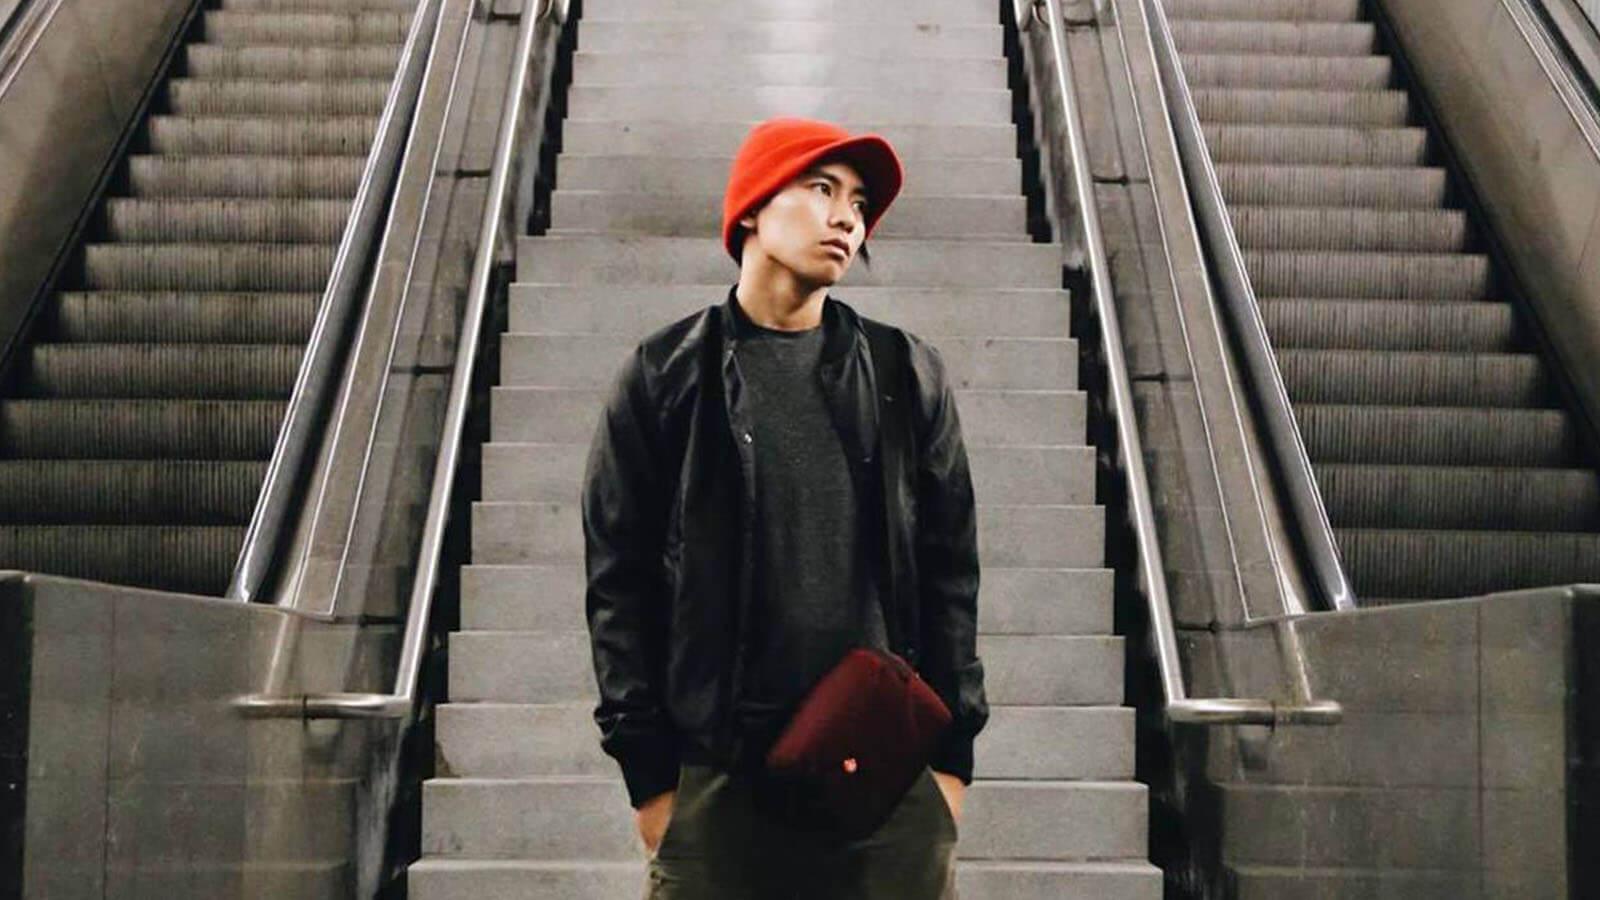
(998, 177)
(509, 740)
(653, 260)
(988, 218)
(588, 818)
(635, 310)
(659, 136)
(1004, 475)
(1008, 535)
(1011, 600)
(736, 102)
(740, 35)
(586, 879)
(666, 67)
(173, 317)
(568, 416)
(592, 361)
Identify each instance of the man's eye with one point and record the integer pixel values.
(824, 187)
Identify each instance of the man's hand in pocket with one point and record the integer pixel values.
(652, 817)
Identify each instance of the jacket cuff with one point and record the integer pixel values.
(954, 757)
(649, 774)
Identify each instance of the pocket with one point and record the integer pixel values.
(944, 805)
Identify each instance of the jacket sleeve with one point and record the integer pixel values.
(947, 564)
(624, 524)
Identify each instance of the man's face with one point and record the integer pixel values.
(813, 226)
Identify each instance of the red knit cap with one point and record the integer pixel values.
(779, 150)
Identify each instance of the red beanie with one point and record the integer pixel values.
(779, 150)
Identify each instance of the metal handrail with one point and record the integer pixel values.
(1179, 706)
(399, 702)
(1239, 300)
(20, 29)
(319, 367)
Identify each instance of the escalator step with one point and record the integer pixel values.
(245, 176)
(1405, 276)
(129, 492)
(217, 371)
(368, 61)
(1361, 109)
(1503, 499)
(1392, 325)
(1435, 564)
(299, 99)
(1349, 228)
(1439, 436)
(197, 559)
(172, 317)
(1415, 378)
(1245, 70)
(1293, 38)
(302, 29)
(226, 220)
(140, 429)
(1275, 10)
(216, 267)
(201, 136)
(1300, 145)
(1387, 188)
(259, 6)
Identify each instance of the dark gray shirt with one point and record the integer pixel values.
(815, 596)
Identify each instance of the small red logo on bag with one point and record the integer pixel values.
(850, 765)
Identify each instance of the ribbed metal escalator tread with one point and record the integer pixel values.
(1316, 145)
(129, 492)
(190, 558)
(193, 371)
(1291, 10)
(1289, 38)
(141, 417)
(1229, 70)
(325, 177)
(1422, 563)
(1415, 378)
(242, 219)
(1461, 497)
(1350, 228)
(1336, 324)
(1315, 185)
(175, 317)
(1383, 109)
(1400, 276)
(139, 428)
(1466, 436)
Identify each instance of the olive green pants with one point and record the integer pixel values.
(718, 846)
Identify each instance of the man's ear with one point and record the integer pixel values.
(748, 222)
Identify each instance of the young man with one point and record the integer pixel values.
(736, 531)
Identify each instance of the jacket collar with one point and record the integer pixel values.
(840, 327)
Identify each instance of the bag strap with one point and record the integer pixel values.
(893, 429)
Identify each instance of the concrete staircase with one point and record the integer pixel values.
(525, 804)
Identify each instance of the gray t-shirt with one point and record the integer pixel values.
(815, 595)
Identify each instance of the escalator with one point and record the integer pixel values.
(137, 424)
(1449, 459)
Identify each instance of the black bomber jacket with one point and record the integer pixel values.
(668, 527)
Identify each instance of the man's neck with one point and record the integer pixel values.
(773, 298)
